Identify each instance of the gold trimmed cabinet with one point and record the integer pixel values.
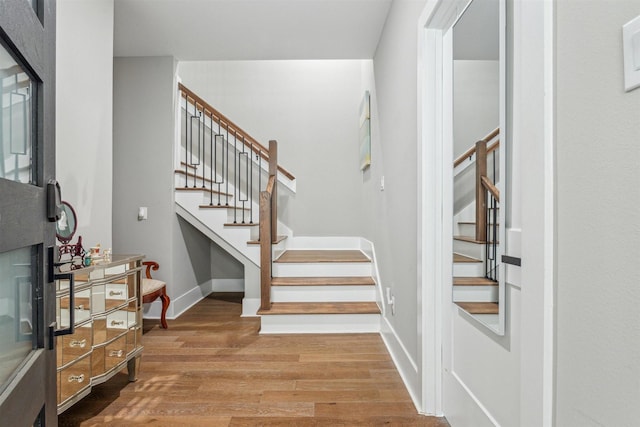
(103, 332)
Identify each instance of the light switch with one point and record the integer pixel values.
(382, 184)
(142, 213)
(635, 44)
(631, 50)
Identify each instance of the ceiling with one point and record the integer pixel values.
(249, 29)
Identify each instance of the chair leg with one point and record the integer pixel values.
(165, 305)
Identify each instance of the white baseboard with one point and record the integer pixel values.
(179, 304)
(228, 285)
(405, 365)
(250, 307)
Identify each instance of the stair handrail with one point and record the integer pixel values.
(471, 151)
(229, 125)
(268, 227)
(482, 182)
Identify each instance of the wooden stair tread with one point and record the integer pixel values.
(471, 240)
(322, 308)
(257, 242)
(206, 190)
(479, 307)
(188, 165)
(463, 258)
(322, 255)
(473, 281)
(469, 222)
(193, 175)
(242, 224)
(323, 281)
(223, 207)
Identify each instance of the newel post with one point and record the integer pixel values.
(265, 250)
(273, 171)
(481, 194)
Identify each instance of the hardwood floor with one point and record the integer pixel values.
(212, 368)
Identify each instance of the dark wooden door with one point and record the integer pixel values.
(27, 167)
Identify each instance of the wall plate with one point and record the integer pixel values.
(631, 50)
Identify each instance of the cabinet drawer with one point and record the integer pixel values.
(119, 322)
(115, 353)
(97, 362)
(99, 330)
(74, 378)
(71, 347)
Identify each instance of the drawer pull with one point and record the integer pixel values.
(76, 378)
(78, 343)
(80, 307)
(116, 293)
(117, 322)
(116, 353)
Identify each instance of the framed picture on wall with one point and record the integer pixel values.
(365, 132)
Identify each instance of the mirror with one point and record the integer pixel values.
(67, 224)
(478, 129)
(72, 256)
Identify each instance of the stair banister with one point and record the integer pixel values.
(229, 125)
(268, 227)
(471, 151)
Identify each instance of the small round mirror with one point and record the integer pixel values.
(67, 224)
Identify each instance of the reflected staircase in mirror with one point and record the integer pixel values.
(475, 266)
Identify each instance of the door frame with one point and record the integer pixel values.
(435, 195)
(27, 29)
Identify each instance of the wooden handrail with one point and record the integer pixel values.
(271, 184)
(224, 122)
(472, 150)
(488, 185)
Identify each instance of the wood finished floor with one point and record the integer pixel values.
(212, 368)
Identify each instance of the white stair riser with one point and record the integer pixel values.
(475, 293)
(466, 229)
(473, 250)
(319, 323)
(322, 269)
(468, 269)
(322, 293)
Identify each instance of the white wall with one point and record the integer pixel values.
(391, 220)
(476, 102)
(311, 109)
(598, 219)
(84, 115)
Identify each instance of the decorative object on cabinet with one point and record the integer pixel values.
(152, 289)
(66, 226)
(99, 321)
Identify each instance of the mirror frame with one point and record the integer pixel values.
(69, 213)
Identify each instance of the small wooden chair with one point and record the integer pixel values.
(152, 289)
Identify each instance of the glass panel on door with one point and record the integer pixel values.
(16, 310)
(16, 160)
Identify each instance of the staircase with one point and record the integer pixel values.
(226, 185)
(475, 284)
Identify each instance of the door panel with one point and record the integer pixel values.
(27, 164)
